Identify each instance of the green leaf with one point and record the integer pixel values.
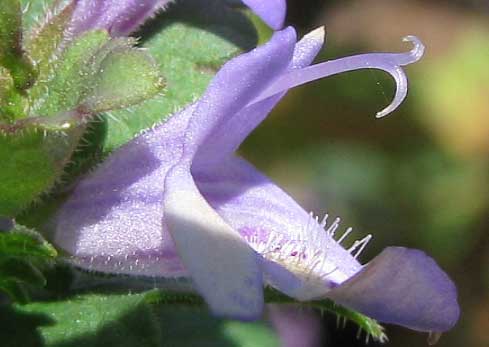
(126, 77)
(20, 270)
(22, 242)
(15, 290)
(35, 13)
(45, 44)
(33, 155)
(190, 42)
(71, 80)
(97, 74)
(126, 320)
(91, 321)
(27, 172)
(191, 326)
(13, 103)
(367, 324)
(94, 73)
(12, 55)
(23, 255)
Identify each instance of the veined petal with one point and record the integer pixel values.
(271, 11)
(119, 18)
(237, 83)
(402, 286)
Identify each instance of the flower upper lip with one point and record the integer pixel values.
(180, 187)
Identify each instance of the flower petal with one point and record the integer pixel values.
(225, 269)
(237, 83)
(271, 11)
(227, 138)
(119, 18)
(271, 221)
(113, 220)
(402, 286)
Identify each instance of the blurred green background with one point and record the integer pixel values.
(418, 178)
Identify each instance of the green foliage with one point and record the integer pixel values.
(91, 320)
(35, 13)
(13, 104)
(16, 70)
(370, 326)
(12, 55)
(33, 158)
(23, 253)
(191, 326)
(98, 74)
(71, 79)
(112, 89)
(44, 45)
(78, 79)
(124, 320)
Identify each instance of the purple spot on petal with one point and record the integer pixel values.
(259, 235)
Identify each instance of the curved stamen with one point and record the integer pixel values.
(388, 62)
(362, 244)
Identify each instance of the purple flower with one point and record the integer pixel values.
(271, 11)
(177, 202)
(122, 17)
(119, 18)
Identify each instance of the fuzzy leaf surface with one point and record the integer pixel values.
(12, 55)
(23, 255)
(94, 320)
(33, 158)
